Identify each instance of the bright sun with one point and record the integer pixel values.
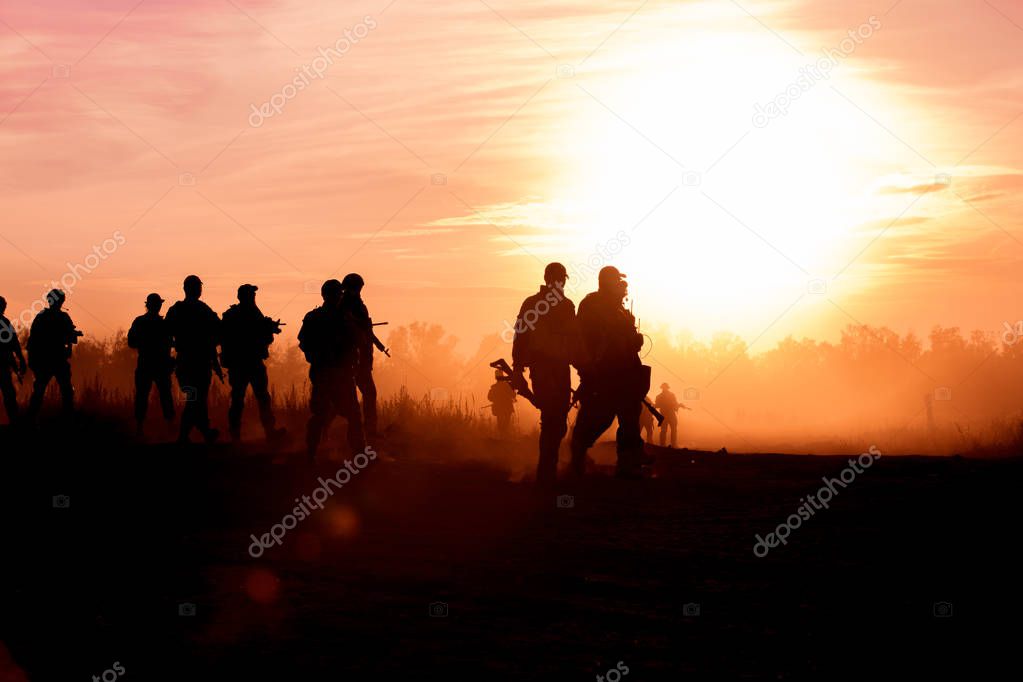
(728, 222)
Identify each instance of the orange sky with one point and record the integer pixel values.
(557, 126)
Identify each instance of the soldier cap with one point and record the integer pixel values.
(554, 272)
(192, 280)
(609, 274)
(153, 299)
(330, 287)
(249, 289)
(353, 280)
(665, 386)
(55, 296)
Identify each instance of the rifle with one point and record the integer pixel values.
(576, 394)
(377, 342)
(515, 380)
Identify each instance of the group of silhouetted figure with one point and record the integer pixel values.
(601, 341)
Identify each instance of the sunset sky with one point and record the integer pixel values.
(453, 147)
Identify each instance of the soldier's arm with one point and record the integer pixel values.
(520, 341)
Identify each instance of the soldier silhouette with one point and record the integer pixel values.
(668, 405)
(195, 330)
(49, 353)
(11, 360)
(613, 380)
(545, 334)
(330, 340)
(150, 335)
(246, 335)
(646, 424)
(354, 306)
(502, 403)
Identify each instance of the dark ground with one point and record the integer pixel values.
(533, 591)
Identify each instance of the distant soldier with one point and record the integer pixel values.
(646, 423)
(545, 334)
(150, 335)
(245, 344)
(195, 330)
(49, 353)
(11, 360)
(330, 340)
(502, 403)
(353, 305)
(668, 405)
(613, 381)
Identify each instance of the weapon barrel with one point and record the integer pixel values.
(653, 410)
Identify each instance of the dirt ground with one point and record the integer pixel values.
(425, 566)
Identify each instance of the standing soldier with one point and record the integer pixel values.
(49, 353)
(11, 359)
(545, 332)
(667, 404)
(246, 337)
(502, 403)
(195, 330)
(353, 305)
(150, 336)
(330, 340)
(613, 381)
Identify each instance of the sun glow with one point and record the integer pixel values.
(729, 219)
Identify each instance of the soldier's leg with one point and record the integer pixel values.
(629, 442)
(594, 418)
(9, 394)
(187, 387)
(674, 433)
(41, 379)
(664, 432)
(553, 390)
(348, 407)
(368, 389)
(261, 391)
(67, 389)
(239, 379)
(143, 384)
(319, 409)
(202, 403)
(163, 389)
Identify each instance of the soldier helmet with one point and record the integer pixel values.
(247, 290)
(192, 280)
(55, 296)
(353, 281)
(331, 287)
(665, 386)
(554, 272)
(609, 274)
(153, 300)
